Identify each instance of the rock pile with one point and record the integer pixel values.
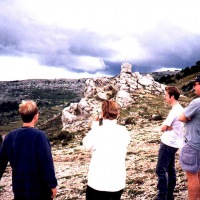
(78, 116)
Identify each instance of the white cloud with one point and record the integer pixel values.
(167, 69)
(111, 16)
(16, 68)
(89, 64)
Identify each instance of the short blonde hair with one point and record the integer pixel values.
(28, 109)
(110, 109)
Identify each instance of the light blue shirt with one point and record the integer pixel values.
(192, 127)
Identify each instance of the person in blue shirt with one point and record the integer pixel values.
(28, 151)
(190, 153)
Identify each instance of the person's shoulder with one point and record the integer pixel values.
(12, 132)
(197, 100)
(179, 106)
(95, 124)
(10, 136)
(40, 133)
(123, 133)
(121, 127)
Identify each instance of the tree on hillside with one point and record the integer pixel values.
(186, 72)
(195, 69)
(198, 63)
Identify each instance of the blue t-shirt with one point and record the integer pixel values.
(192, 127)
(29, 153)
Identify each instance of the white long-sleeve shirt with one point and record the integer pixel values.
(108, 144)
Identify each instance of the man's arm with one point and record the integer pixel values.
(3, 159)
(183, 118)
(45, 159)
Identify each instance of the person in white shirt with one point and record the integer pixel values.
(108, 142)
(171, 141)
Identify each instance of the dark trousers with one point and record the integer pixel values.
(21, 198)
(166, 172)
(32, 197)
(92, 194)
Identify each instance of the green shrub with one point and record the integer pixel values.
(130, 120)
(64, 136)
(157, 117)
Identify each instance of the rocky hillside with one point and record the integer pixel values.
(143, 111)
(72, 161)
(51, 96)
(49, 92)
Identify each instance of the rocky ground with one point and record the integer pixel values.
(72, 161)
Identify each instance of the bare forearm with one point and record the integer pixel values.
(183, 118)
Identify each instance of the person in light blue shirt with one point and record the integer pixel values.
(190, 153)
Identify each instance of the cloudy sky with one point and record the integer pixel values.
(86, 38)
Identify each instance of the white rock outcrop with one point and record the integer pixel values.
(78, 116)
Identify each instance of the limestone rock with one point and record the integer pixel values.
(120, 88)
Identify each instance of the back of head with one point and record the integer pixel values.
(173, 91)
(28, 109)
(110, 109)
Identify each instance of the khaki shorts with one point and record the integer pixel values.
(190, 159)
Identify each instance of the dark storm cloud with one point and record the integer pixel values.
(90, 44)
(51, 46)
(76, 44)
(113, 68)
(166, 46)
(170, 46)
(9, 36)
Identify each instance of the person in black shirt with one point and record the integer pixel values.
(29, 153)
(1, 140)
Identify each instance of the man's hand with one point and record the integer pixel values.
(166, 128)
(54, 192)
(169, 128)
